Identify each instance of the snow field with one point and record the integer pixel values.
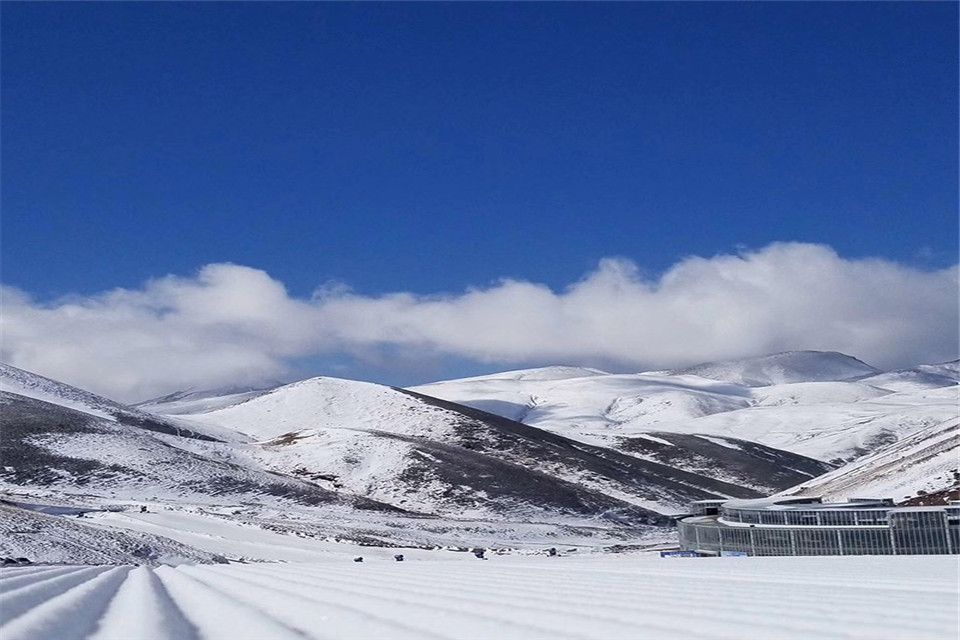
(608, 597)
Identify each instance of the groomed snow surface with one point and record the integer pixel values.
(458, 596)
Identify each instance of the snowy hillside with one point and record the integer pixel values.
(929, 376)
(50, 446)
(826, 406)
(926, 463)
(344, 460)
(828, 420)
(742, 462)
(30, 385)
(198, 401)
(192, 488)
(428, 455)
(782, 368)
(837, 432)
(585, 406)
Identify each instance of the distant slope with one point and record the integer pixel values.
(31, 385)
(814, 393)
(822, 405)
(182, 402)
(835, 432)
(541, 374)
(435, 456)
(51, 446)
(586, 405)
(924, 463)
(782, 368)
(929, 376)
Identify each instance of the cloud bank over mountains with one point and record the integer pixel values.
(236, 324)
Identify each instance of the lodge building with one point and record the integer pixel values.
(792, 526)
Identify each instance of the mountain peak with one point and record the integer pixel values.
(541, 374)
(782, 368)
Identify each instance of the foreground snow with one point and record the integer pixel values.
(504, 597)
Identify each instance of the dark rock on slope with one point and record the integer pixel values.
(49, 445)
(515, 443)
(750, 464)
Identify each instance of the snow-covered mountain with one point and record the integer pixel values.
(522, 457)
(922, 464)
(928, 376)
(56, 447)
(592, 407)
(438, 457)
(194, 486)
(200, 401)
(31, 385)
(782, 368)
(348, 461)
(821, 405)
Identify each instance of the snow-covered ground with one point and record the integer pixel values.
(523, 597)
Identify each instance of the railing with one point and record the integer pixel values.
(926, 535)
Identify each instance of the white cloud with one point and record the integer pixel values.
(235, 324)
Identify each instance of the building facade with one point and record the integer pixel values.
(794, 526)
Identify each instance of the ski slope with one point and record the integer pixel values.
(528, 597)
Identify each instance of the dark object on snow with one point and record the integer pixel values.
(6, 562)
(552, 551)
(143, 509)
(398, 557)
(358, 559)
(479, 553)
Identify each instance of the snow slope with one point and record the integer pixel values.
(432, 456)
(450, 474)
(603, 598)
(53, 447)
(584, 406)
(924, 463)
(927, 376)
(57, 539)
(837, 432)
(199, 401)
(822, 405)
(31, 385)
(782, 368)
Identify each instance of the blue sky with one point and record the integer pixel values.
(432, 147)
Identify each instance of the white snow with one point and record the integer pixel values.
(815, 415)
(783, 368)
(24, 383)
(197, 402)
(588, 408)
(325, 403)
(508, 597)
(812, 393)
(923, 462)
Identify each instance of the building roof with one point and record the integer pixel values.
(807, 503)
